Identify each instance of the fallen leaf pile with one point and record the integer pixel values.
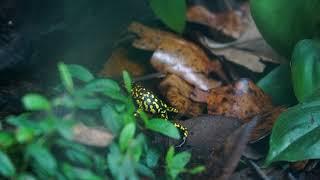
(224, 118)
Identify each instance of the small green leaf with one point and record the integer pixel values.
(43, 159)
(152, 158)
(278, 85)
(164, 127)
(127, 81)
(197, 170)
(112, 120)
(171, 12)
(305, 68)
(6, 139)
(24, 134)
(296, 134)
(6, 167)
(36, 102)
(78, 157)
(169, 155)
(126, 136)
(25, 176)
(177, 164)
(85, 103)
(78, 173)
(180, 160)
(66, 77)
(144, 170)
(101, 85)
(80, 72)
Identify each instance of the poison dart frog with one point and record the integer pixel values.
(150, 103)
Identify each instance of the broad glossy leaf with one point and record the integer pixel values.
(80, 72)
(7, 169)
(164, 127)
(277, 84)
(35, 102)
(284, 22)
(305, 68)
(171, 12)
(126, 136)
(66, 77)
(296, 134)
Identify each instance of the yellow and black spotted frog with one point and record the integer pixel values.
(150, 103)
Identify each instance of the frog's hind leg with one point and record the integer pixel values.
(185, 134)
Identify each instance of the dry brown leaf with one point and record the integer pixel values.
(119, 61)
(177, 56)
(265, 126)
(223, 162)
(177, 92)
(248, 50)
(91, 136)
(207, 134)
(231, 22)
(242, 99)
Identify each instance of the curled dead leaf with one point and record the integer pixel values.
(177, 56)
(91, 136)
(224, 161)
(231, 23)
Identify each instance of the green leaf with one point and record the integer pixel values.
(177, 164)
(152, 158)
(102, 85)
(169, 155)
(78, 173)
(6, 167)
(278, 85)
(197, 170)
(164, 127)
(126, 136)
(25, 134)
(80, 73)
(144, 170)
(25, 176)
(43, 159)
(66, 77)
(36, 102)
(127, 81)
(171, 12)
(296, 134)
(6, 139)
(283, 23)
(305, 68)
(111, 118)
(79, 157)
(87, 103)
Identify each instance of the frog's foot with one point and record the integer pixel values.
(184, 139)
